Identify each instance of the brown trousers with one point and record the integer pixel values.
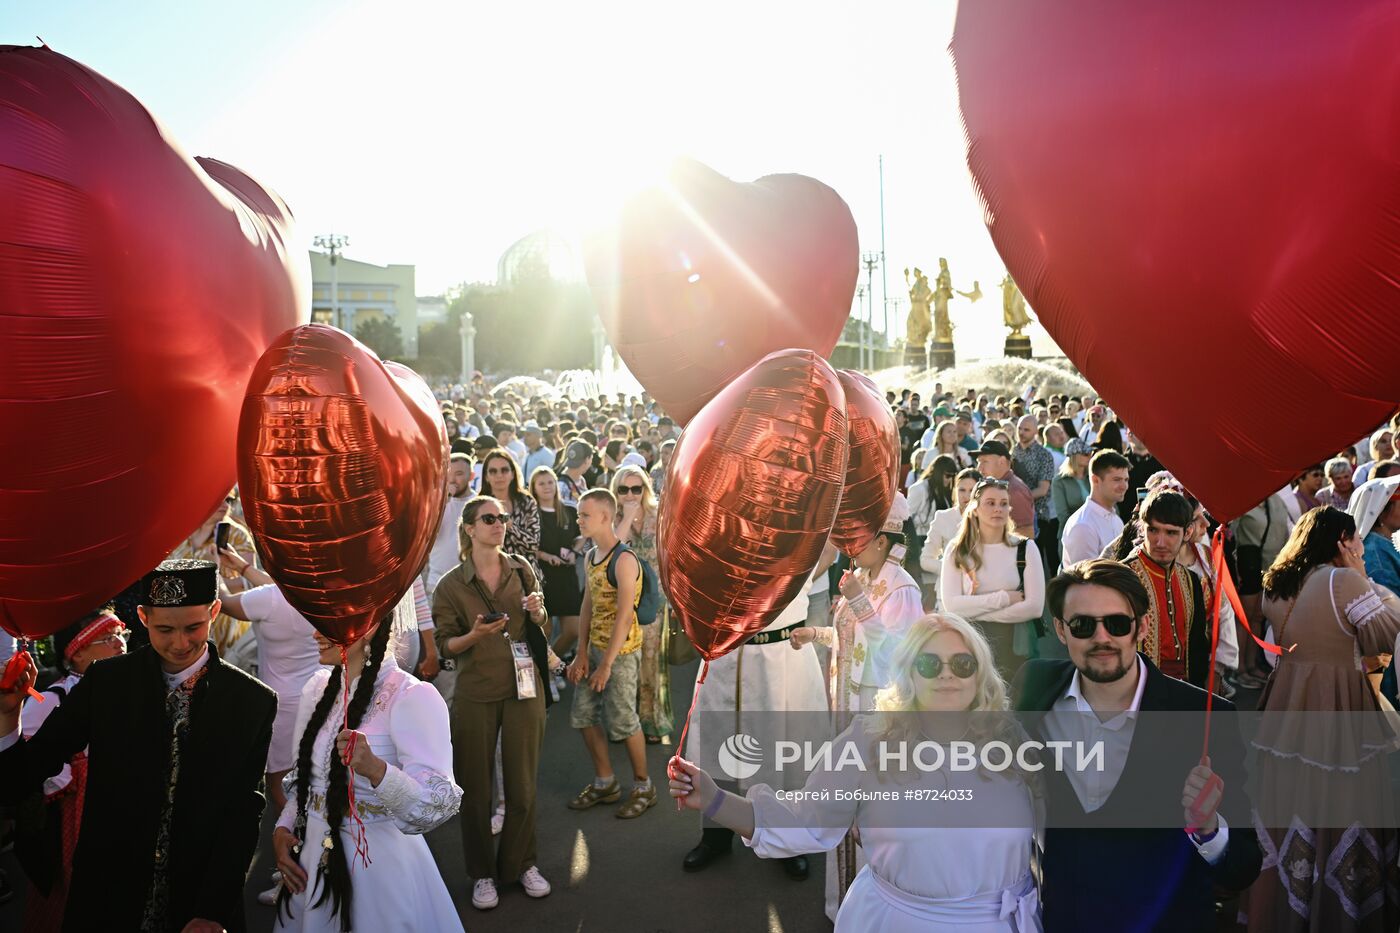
(520, 724)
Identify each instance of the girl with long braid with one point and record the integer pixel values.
(401, 757)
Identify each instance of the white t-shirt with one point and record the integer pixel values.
(287, 653)
(446, 552)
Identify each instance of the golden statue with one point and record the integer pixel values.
(1013, 307)
(918, 325)
(943, 291)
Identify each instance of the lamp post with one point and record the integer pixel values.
(468, 333)
(860, 332)
(333, 244)
(870, 261)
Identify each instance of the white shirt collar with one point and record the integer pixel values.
(1075, 693)
(1094, 505)
(174, 680)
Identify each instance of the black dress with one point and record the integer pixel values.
(562, 594)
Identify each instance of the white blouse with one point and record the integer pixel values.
(407, 726)
(987, 598)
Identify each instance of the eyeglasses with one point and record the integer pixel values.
(992, 483)
(1116, 625)
(116, 640)
(929, 666)
(493, 519)
(630, 490)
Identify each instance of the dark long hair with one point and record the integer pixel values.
(939, 477)
(1110, 437)
(1316, 540)
(336, 874)
(517, 483)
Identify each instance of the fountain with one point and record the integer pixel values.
(1005, 376)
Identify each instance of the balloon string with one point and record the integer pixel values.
(359, 835)
(673, 768)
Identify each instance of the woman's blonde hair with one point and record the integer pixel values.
(648, 494)
(967, 543)
(561, 517)
(897, 703)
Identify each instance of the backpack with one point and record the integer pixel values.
(649, 607)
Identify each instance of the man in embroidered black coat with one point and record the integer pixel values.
(119, 712)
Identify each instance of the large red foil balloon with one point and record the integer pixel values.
(342, 464)
(872, 470)
(137, 289)
(750, 498)
(701, 277)
(1202, 202)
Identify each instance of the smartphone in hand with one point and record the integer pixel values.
(221, 532)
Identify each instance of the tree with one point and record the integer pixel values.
(382, 336)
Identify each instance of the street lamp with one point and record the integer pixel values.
(870, 261)
(333, 244)
(860, 333)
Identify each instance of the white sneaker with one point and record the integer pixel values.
(484, 894)
(498, 822)
(269, 897)
(533, 882)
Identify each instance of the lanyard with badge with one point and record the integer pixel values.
(519, 650)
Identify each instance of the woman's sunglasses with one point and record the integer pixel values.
(1116, 625)
(493, 519)
(929, 666)
(990, 484)
(630, 490)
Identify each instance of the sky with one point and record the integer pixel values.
(437, 133)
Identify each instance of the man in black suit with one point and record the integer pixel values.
(177, 741)
(1120, 850)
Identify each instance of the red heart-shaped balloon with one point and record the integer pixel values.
(137, 290)
(751, 494)
(872, 470)
(1200, 201)
(342, 465)
(701, 277)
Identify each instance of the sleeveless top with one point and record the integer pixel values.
(604, 597)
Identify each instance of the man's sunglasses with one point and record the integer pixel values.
(493, 519)
(1116, 625)
(630, 490)
(929, 666)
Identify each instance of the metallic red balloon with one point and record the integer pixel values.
(137, 290)
(342, 465)
(1176, 185)
(872, 470)
(750, 497)
(702, 276)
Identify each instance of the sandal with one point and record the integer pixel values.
(638, 802)
(653, 740)
(592, 795)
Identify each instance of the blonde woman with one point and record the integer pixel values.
(945, 443)
(992, 576)
(560, 545)
(636, 527)
(920, 876)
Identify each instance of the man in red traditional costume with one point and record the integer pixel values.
(1176, 634)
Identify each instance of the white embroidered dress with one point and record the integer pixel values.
(406, 725)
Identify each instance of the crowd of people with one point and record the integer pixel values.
(1037, 558)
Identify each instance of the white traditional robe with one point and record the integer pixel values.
(969, 878)
(401, 890)
(762, 681)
